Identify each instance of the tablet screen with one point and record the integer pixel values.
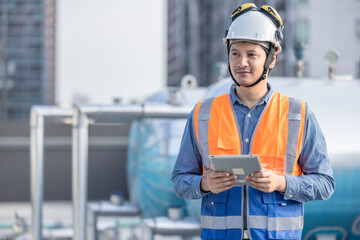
(240, 165)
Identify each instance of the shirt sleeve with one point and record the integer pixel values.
(317, 182)
(187, 172)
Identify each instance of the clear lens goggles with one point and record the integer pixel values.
(272, 14)
(265, 9)
(243, 9)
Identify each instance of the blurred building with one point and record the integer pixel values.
(195, 33)
(196, 28)
(325, 26)
(27, 67)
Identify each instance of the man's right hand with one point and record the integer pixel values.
(217, 182)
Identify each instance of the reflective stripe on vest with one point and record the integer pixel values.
(203, 117)
(222, 222)
(260, 222)
(294, 120)
(276, 223)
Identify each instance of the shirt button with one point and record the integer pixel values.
(197, 193)
(246, 140)
(290, 195)
(249, 115)
(212, 203)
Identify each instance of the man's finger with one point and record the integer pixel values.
(224, 186)
(259, 174)
(221, 174)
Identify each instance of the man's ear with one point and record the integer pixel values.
(272, 64)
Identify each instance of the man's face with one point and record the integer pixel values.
(246, 62)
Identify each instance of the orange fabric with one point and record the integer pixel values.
(228, 142)
(275, 163)
(271, 134)
(270, 137)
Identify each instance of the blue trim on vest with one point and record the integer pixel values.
(294, 234)
(213, 234)
(273, 205)
(229, 234)
(258, 233)
(279, 235)
(279, 207)
(214, 204)
(223, 204)
(235, 207)
(234, 234)
(256, 204)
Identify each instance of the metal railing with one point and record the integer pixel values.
(82, 117)
(37, 117)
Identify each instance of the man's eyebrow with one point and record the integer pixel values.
(251, 50)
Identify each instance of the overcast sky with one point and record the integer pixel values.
(111, 48)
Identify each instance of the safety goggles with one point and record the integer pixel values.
(269, 11)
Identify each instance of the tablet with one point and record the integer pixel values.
(240, 165)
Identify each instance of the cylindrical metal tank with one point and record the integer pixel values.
(153, 147)
(151, 157)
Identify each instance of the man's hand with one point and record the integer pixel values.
(217, 182)
(267, 181)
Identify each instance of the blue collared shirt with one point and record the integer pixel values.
(317, 183)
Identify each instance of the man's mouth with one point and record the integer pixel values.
(243, 71)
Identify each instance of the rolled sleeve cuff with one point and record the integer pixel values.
(292, 188)
(198, 192)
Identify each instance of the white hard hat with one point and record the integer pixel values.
(249, 23)
(259, 26)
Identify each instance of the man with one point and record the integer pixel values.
(253, 119)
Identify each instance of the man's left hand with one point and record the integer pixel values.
(267, 181)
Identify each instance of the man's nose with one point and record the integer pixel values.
(242, 62)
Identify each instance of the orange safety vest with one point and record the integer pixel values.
(277, 138)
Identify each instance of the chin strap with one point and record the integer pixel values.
(269, 58)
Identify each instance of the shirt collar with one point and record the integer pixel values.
(234, 98)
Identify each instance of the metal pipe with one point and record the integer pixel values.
(121, 113)
(158, 111)
(37, 170)
(102, 114)
(79, 176)
(37, 117)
